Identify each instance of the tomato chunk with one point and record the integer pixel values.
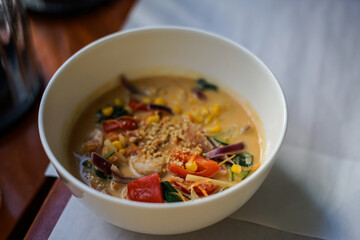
(145, 189)
(119, 124)
(206, 168)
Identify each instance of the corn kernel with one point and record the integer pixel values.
(236, 168)
(107, 111)
(160, 101)
(177, 109)
(122, 151)
(216, 110)
(214, 129)
(208, 119)
(118, 102)
(147, 100)
(198, 119)
(153, 119)
(203, 111)
(217, 121)
(117, 144)
(191, 166)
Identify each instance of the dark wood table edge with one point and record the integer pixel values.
(49, 212)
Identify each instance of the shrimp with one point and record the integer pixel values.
(141, 166)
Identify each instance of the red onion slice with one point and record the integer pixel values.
(123, 180)
(230, 149)
(101, 163)
(160, 108)
(199, 94)
(130, 87)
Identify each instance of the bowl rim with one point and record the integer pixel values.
(186, 30)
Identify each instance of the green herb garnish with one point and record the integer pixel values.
(109, 155)
(204, 85)
(86, 164)
(169, 192)
(102, 175)
(118, 111)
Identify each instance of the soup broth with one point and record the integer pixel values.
(164, 139)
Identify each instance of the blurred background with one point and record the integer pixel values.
(312, 46)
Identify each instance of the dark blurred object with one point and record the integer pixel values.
(61, 6)
(20, 79)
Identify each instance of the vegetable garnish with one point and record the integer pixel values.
(226, 160)
(170, 194)
(119, 124)
(102, 175)
(130, 87)
(123, 180)
(230, 149)
(109, 155)
(203, 191)
(252, 168)
(183, 197)
(206, 168)
(245, 160)
(145, 189)
(199, 94)
(160, 108)
(194, 178)
(101, 163)
(204, 85)
(140, 106)
(116, 112)
(224, 138)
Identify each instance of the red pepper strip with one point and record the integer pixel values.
(119, 124)
(206, 168)
(138, 106)
(145, 189)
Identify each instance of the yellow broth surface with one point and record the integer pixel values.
(160, 139)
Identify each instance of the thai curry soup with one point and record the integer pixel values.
(164, 139)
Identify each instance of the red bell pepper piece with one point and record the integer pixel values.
(206, 168)
(145, 189)
(119, 124)
(138, 106)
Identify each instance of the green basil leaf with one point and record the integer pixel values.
(169, 192)
(204, 85)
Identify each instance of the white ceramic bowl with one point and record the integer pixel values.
(155, 51)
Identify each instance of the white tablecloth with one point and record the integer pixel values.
(313, 47)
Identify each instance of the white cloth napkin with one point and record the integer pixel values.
(313, 49)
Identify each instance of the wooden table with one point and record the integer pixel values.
(32, 203)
